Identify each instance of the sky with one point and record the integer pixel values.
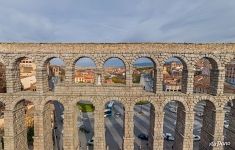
(197, 21)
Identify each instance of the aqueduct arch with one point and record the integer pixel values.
(128, 94)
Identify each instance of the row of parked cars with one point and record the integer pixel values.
(166, 136)
(142, 136)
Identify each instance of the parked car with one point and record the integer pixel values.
(168, 137)
(143, 136)
(226, 124)
(84, 129)
(200, 114)
(91, 141)
(107, 112)
(62, 116)
(196, 138)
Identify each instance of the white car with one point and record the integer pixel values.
(168, 137)
(200, 114)
(62, 116)
(196, 138)
(91, 141)
(226, 124)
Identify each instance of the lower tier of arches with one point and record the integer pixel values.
(156, 110)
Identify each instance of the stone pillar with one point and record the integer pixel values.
(9, 79)
(129, 72)
(187, 81)
(158, 130)
(45, 78)
(188, 133)
(208, 127)
(159, 80)
(69, 73)
(99, 128)
(16, 78)
(98, 77)
(38, 130)
(217, 78)
(230, 131)
(39, 79)
(75, 128)
(9, 134)
(68, 128)
(19, 127)
(221, 80)
(180, 128)
(47, 126)
(128, 142)
(219, 128)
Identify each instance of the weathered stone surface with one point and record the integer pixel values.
(69, 93)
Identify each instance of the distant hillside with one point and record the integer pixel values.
(143, 64)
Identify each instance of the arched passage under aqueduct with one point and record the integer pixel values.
(53, 120)
(174, 125)
(144, 123)
(204, 124)
(114, 118)
(23, 114)
(229, 125)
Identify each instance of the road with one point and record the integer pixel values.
(114, 126)
(59, 124)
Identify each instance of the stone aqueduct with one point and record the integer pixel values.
(68, 93)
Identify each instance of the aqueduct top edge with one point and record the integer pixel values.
(117, 47)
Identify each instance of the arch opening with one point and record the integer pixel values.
(114, 118)
(84, 70)
(229, 84)
(55, 68)
(114, 71)
(24, 124)
(53, 120)
(173, 74)
(25, 72)
(204, 125)
(144, 73)
(144, 118)
(229, 125)
(205, 76)
(174, 125)
(85, 124)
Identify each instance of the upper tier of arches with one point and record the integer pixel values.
(218, 63)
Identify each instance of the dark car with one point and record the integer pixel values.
(143, 137)
(90, 142)
(84, 129)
